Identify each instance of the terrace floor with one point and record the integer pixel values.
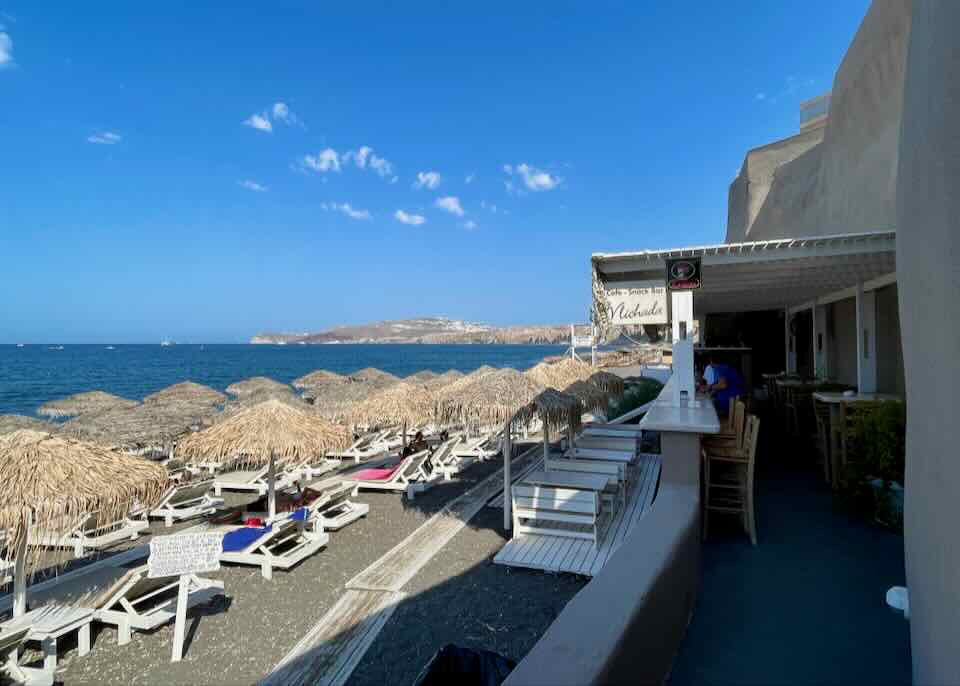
(807, 605)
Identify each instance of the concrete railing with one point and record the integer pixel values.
(626, 625)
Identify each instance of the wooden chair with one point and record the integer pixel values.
(729, 479)
(821, 415)
(731, 433)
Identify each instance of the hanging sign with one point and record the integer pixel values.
(630, 303)
(683, 274)
(184, 554)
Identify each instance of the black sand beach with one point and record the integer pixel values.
(459, 597)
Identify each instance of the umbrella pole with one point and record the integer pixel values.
(271, 488)
(507, 498)
(546, 441)
(20, 579)
(404, 425)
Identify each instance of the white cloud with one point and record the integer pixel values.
(470, 225)
(252, 185)
(761, 96)
(380, 165)
(430, 180)
(326, 160)
(260, 122)
(508, 169)
(412, 219)
(469, 179)
(537, 179)
(451, 204)
(365, 158)
(283, 114)
(488, 206)
(105, 138)
(6, 48)
(347, 209)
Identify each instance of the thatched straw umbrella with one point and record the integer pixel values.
(593, 398)
(269, 432)
(318, 377)
(14, 422)
(147, 428)
(555, 410)
(256, 384)
(49, 481)
(611, 384)
(84, 403)
(402, 404)
(374, 376)
(448, 377)
(187, 392)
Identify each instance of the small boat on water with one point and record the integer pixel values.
(19, 345)
(110, 347)
(54, 347)
(166, 342)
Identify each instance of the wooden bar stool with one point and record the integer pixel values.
(729, 478)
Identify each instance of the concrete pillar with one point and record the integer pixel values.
(866, 340)
(681, 311)
(790, 343)
(928, 245)
(821, 361)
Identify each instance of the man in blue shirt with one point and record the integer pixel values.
(723, 383)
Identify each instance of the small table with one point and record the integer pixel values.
(837, 400)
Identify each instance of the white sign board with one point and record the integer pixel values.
(582, 341)
(184, 554)
(636, 302)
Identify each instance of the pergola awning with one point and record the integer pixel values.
(764, 275)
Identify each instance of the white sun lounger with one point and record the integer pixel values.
(46, 624)
(411, 476)
(10, 643)
(138, 602)
(367, 446)
(446, 460)
(89, 534)
(253, 480)
(187, 501)
(285, 544)
(480, 448)
(333, 510)
(616, 473)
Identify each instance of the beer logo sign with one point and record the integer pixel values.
(683, 274)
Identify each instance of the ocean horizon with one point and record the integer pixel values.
(37, 373)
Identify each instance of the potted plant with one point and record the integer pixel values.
(877, 451)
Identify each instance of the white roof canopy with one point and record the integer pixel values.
(764, 275)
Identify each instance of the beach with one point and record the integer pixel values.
(459, 597)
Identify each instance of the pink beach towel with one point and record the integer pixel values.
(375, 473)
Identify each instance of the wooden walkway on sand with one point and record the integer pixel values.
(331, 650)
(577, 556)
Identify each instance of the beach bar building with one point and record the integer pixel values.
(840, 251)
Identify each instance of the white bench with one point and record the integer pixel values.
(628, 443)
(624, 456)
(616, 473)
(546, 501)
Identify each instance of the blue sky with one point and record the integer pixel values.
(421, 159)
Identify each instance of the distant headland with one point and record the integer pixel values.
(422, 330)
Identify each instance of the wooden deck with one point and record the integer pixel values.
(560, 554)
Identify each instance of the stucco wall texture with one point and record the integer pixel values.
(928, 254)
(841, 178)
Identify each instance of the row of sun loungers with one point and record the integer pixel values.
(135, 602)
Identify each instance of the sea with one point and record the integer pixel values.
(34, 374)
